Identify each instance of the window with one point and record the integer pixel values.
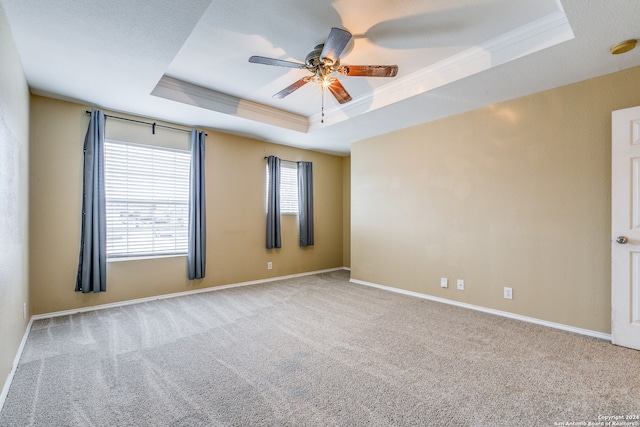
(288, 189)
(147, 197)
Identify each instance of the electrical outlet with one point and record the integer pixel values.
(508, 293)
(444, 282)
(460, 284)
(269, 265)
(24, 311)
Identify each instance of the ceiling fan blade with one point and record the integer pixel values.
(278, 62)
(292, 88)
(339, 92)
(335, 44)
(369, 70)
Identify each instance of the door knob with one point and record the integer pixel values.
(622, 240)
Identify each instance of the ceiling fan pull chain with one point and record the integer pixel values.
(323, 91)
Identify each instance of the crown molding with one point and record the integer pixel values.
(537, 35)
(199, 96)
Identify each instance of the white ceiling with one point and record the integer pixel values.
(187, 62)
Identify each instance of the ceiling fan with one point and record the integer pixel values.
(324, 64)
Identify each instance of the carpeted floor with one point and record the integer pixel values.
(314, 351)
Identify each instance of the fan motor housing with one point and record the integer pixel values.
(314, 62)
(313, 57)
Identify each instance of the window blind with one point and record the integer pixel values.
(147, 195)
(288, 189)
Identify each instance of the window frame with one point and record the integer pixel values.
(288, 203)
(175, 209)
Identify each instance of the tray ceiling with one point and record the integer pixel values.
(187, 62)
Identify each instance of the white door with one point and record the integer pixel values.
(625, 228)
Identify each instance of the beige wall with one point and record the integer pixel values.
(346, 211)
(513, 195)
(14, 188)
(235, 169)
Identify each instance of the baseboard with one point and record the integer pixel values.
(16, 360)
(177, 294)
(587, 332)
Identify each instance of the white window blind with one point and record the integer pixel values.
(147, 197)
(288, 189)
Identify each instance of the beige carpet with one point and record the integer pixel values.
(314, 351)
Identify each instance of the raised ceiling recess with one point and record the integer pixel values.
(187, 62)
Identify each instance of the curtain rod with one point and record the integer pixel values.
(285, 160)
(153, 125)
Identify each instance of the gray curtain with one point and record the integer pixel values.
(196, 254)
(273, 203)
(305, 202)
(92, 263)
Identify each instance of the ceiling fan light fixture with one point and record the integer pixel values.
(623, 47)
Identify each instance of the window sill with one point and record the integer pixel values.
(138, 258)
